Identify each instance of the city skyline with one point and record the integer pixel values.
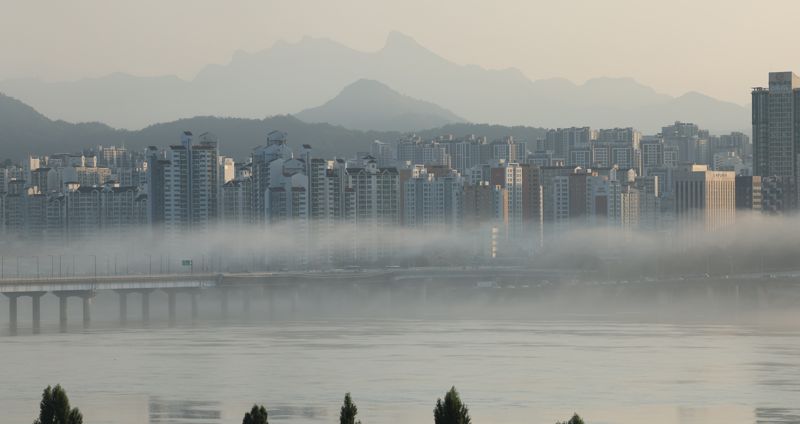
(511, 198)
(575, 212)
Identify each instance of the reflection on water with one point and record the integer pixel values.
(162, 411)
(777, 415)
(509, 371)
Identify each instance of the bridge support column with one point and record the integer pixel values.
(62, 310)
(87, 309)
(36, 307)
(12, 311)
(85, 295)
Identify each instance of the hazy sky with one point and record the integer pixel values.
(719, 47)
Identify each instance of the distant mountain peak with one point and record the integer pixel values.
(367, 85)
(368, 104)
(398, 41)
(695, 95)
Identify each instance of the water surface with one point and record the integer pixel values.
(508, 371)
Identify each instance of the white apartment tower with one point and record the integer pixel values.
(191, 184)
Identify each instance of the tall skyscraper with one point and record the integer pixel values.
(377, 209)
(776, 126)
(433, 202)
(262, 157)
(748, 192)
(191, 184)
(560, 141)
(705, 197)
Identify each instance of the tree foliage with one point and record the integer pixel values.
(451, 410)
(349, 411)
(257, 415)
(55, 409)
(576, 419)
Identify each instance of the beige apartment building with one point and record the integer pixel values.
(704, 197)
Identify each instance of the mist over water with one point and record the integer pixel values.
(622, 328)
(757, 243)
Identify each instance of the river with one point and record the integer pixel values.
(508, 371)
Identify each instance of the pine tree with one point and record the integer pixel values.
(257, 415)
(451, 411)
(349, 411)
(576, 419)
(54, 408)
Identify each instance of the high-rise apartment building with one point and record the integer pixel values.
(377, 209)
(191, 184)
(649, 202)
(262, 157)
(779, 195)
(464, 154)
(383, 153)
(704, 197)
(433, 202)
(776, 126)
(560, 141)
(479, 218)
(236, 202)
(748, 192)
(155, 180)
(419, 152)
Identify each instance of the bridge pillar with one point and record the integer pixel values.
(85, 295)
(87, 309)
(12, 311)
(13, 319)
(36, 307)
(62, 310)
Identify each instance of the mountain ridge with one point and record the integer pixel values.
(24, 130)
(297, 76)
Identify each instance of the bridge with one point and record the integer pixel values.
(142, 285)
(86, 288)
(420, 279)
